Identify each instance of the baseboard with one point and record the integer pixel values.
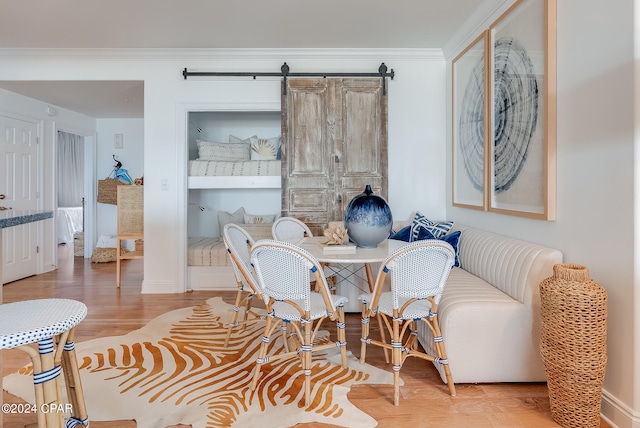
(618, 414)
(220, 278)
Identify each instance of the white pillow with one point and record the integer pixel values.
(265, 148)
(225, 217)
(234, 139)
(259, 219)
(230, 152)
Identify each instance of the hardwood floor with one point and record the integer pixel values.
(425, 400)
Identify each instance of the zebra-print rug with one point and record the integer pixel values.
(176, 370)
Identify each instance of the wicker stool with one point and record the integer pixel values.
(50, 323)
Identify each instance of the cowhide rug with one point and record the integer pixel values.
(176, 370)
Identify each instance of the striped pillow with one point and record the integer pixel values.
(229, 152)
(437, 229)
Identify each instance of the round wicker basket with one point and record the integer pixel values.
(573, 344)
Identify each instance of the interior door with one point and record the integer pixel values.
(334, 135)
(18, 153)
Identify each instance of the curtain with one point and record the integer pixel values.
(70, 169)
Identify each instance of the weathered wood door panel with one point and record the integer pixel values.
(363, 144)
(334, 134)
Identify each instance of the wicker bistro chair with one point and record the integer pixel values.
(290, 229)
(238, 243)
(419, 271)
(283, 273)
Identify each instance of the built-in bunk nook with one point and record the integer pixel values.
(306, 160)
(234, 175)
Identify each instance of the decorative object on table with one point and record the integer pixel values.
(336, 234)
(337, 240)
(368, 219)
(573, 344)
(203, 382)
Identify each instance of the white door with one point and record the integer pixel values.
(18, 175)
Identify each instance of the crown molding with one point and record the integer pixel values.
(486, 13)
(224, 54)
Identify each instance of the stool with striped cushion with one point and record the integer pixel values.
(49, 323)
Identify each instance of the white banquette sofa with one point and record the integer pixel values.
(489, 313)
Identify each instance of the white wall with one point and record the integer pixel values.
(416, 123)
(14, 104)
(131, 156)
(596, 169)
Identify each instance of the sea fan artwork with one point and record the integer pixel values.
(264, 149)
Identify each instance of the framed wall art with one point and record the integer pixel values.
(470, 135)
(522, 112)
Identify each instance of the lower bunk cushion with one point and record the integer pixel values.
(210, 251)
(206, 251)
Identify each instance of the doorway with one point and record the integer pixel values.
(75, 214)
(70, 194)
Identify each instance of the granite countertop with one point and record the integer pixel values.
(9, 218)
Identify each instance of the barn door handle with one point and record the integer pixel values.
(3, 196)
(340, 199)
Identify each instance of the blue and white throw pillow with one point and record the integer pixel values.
(453, 239)
(437, 229)
(403, 234)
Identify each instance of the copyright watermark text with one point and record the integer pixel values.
(21, 408)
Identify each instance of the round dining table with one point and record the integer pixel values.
(361, 256)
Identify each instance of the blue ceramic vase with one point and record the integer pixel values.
(368, 219)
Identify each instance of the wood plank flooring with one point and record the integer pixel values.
(425, 400)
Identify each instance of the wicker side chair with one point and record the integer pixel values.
(283, 273)
(238, 243)
(418, 271)
(290, 229)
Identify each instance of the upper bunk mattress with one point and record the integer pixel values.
(209, 168)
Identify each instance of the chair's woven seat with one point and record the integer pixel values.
(318, 307)
(31, 321)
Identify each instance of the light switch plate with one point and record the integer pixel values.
(118, 141)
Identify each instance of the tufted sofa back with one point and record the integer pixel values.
(513, 266)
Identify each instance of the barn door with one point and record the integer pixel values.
(334, 134)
